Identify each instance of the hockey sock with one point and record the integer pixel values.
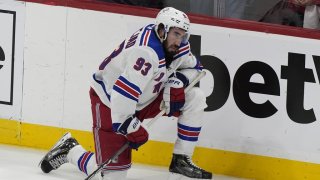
(84, 160)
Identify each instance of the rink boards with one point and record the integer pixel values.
(262, 88)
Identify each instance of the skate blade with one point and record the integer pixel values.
(61, 140)
(175, 176)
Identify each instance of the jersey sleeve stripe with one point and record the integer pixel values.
(124, 93)
(183, 48)
(128, 83)
(162, 63)
(182, 51)
(127, 89)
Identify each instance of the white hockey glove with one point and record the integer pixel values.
(173, 95)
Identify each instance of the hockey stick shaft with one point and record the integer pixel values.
(126, 145)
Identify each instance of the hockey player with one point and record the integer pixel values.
(155, 64)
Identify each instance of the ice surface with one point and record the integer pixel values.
(18, 163)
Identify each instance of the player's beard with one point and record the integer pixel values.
(169, 54)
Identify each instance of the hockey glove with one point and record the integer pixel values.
(173, 95)
(134, 132)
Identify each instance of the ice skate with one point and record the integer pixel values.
(58, 153)
(183, 165)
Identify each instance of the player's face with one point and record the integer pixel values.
(174, 39)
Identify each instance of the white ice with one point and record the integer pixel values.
(19, 163)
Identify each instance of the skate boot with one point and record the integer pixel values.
(182, 164)
(58, 153)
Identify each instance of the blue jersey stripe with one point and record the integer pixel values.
(188, 138)
(133, 86)
(124, 93)
(188, 128)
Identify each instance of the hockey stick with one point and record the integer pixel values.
(126, 145)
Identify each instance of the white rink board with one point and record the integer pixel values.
(12, 17)
(64, 46)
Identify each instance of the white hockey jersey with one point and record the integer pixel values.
(135, 73)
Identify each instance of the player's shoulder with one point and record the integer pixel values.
(149, 40)
(184, 50)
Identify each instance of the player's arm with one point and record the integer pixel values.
(189, 67)
(139, 70)
(173, 94)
